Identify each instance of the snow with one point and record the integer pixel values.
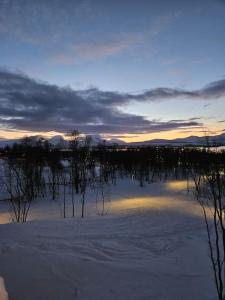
(151, 245)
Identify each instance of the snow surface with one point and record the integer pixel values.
(151, 245)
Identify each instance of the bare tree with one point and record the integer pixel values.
(22, 185)
(210, 193)
(74, 144)
(84, 164)
(55, 171)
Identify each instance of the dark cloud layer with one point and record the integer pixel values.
(27, 104)
(213, 91)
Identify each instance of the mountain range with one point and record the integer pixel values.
(210, 140)
(216, 140)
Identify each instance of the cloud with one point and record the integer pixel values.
(27, 104)
(41, 22)
(99, 49)
(169, 61)
(212, 91)
(121, 136)
(63, 29)
(179, 72)
(93, 51)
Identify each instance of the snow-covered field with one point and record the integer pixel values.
(151, 244)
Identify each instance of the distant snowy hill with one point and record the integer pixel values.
(59, 141)
(191, 140)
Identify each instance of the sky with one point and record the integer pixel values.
(133, 70)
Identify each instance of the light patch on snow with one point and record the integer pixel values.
(157, 203)
(179, 185)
